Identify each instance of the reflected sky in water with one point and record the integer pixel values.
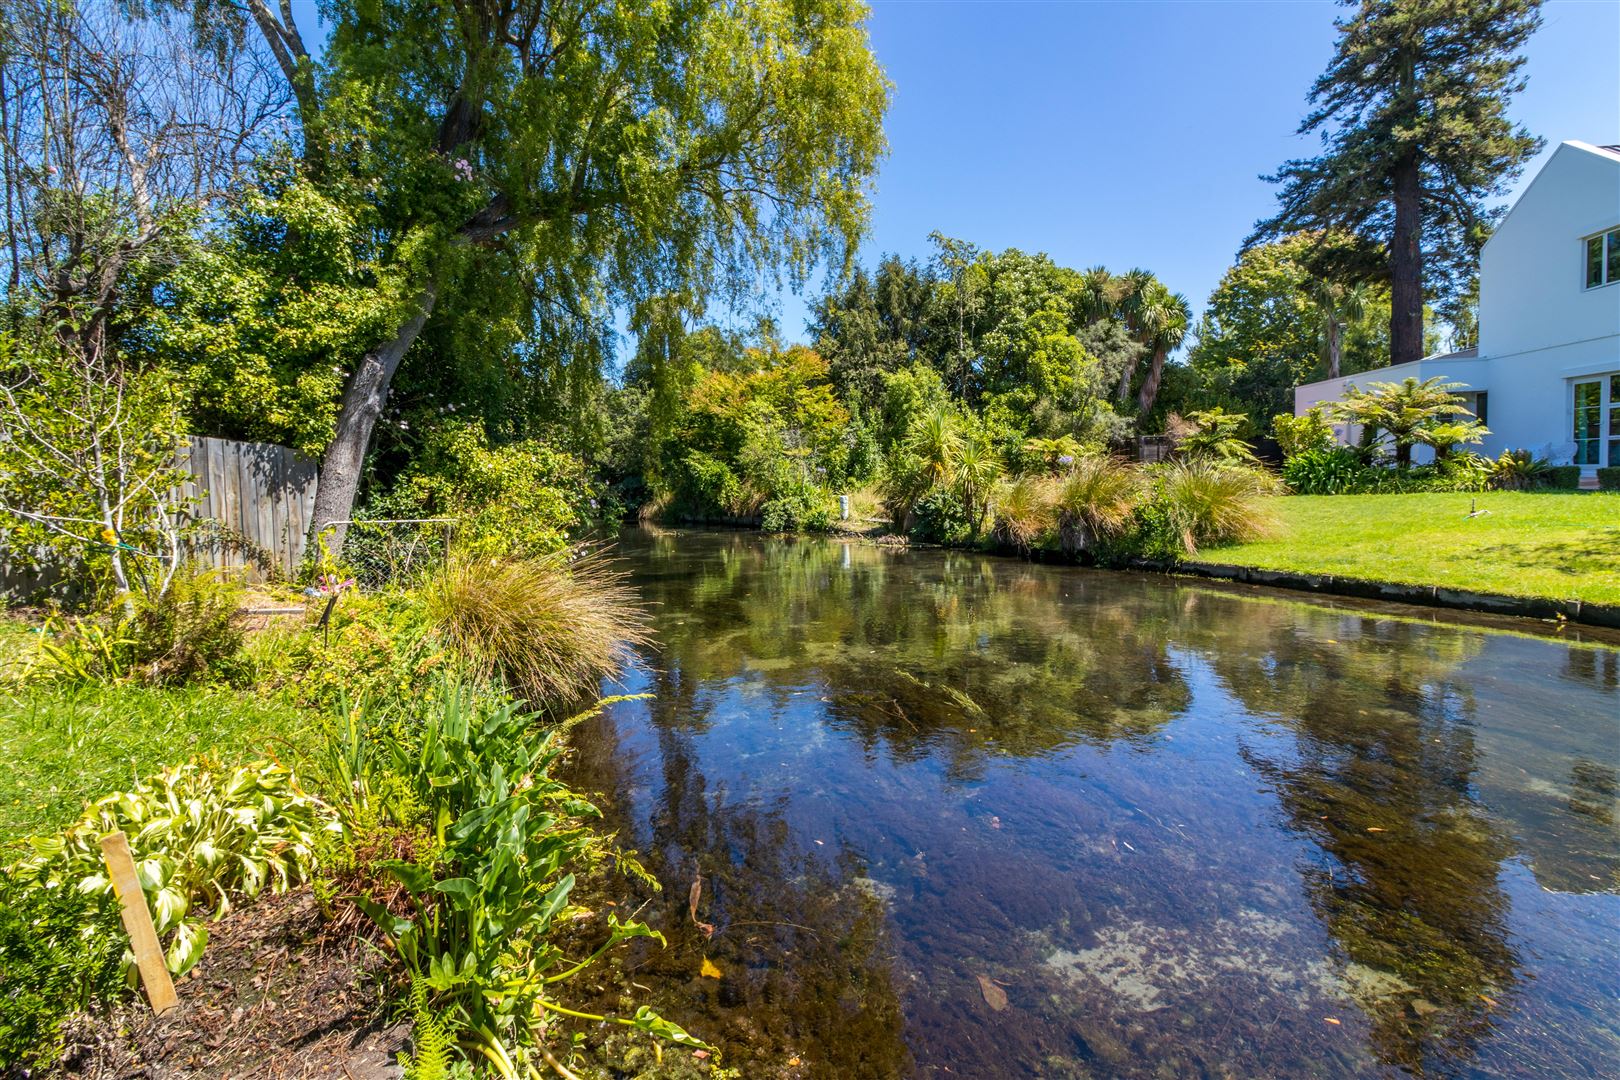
(964, 816)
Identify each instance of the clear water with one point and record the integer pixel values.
(965, 816)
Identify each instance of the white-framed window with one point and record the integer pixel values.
(1602, 258)
(1597, 421)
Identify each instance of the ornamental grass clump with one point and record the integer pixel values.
(1096, 500)
(1208, 503)
(1025, 511)
(549, 626)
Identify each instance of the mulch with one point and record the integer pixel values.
(279, 994)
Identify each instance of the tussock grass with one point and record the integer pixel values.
(1210, 502)
(552, 628)
(1026, 511)
(1097, 499)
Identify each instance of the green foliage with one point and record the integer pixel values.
(190, 632)
(1217, 435)
(88, 466)
(201, 838)
(1564, 477)
(476, 906)
(1609, 478)
(1025, 512)
(60, 950)
(520, 499)
(1417, 142)
(940, 518)
(1516, 470)
(1307, 433)
(1097, 500)
(1334, 470)
(551, 627)
(1410, 412)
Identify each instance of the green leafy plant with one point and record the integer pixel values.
(1609, 479)
(1217, 435)
(470, 916)
(1324, 471)
(1408, 412)
(1308, 432)
(60, 950)
(1515, 470)
(201, 839)
(551, 627)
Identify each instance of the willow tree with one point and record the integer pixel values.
(593, 151)
(1412, 111)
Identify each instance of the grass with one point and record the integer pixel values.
(1559, 546)
(63, 746)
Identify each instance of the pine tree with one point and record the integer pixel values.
(1412, 112)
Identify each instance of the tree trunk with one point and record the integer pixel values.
(1150, 385)
(1406, 264)
(363, 402)
(1334, 344)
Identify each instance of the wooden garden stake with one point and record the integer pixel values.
(138, 923)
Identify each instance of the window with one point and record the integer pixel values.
(1603, 259)
(1614, 421)
(1480, 412)
(1588, 418)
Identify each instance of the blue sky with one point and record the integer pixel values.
(1133, 133)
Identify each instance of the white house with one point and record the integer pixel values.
(1546, 375)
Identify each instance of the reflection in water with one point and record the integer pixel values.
(971, 817)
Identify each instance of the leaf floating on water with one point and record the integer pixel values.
(1375, 829)
(1333, 1020)
(709, 970)
(793, 1061)
(994, 996)
(1489, 1001)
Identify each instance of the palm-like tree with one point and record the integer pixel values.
(1165, 317)
(1337, 306)
(935, 441)
(975, 471)
(1406, 411)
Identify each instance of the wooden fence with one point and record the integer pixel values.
(262, 496)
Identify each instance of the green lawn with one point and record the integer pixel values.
(1564, 546)
(64, 746)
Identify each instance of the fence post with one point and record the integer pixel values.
(143, 937)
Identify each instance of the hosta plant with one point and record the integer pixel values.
(201, 837)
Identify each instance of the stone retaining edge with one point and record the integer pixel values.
(1576, 611)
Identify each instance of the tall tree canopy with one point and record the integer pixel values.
(1412, 111)
(543, 158)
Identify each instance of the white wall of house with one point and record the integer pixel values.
(1543, 331)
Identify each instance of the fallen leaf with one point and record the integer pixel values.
(1334, 1022)
(1375, 829)
(994, 996)
(700, 1054)
(1487, 1001)
(709, 970)
(793, 1061)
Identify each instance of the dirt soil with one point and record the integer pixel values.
(278, 995)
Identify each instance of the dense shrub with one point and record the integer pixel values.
(523, 498)
(1609, 479)
(60, 950)
(1564, 477)
(190, 632)
(1516, 470)
(1302, 434)
(1096, 499)
(1323, 471)
(1026, 511)
(940, 517)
